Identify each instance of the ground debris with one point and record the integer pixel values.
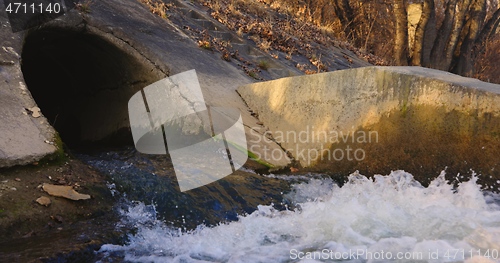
(43, 200)
(64, 191)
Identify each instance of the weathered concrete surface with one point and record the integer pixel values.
(396, 117)
(154, 44)
(23, 138)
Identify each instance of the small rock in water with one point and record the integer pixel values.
(45, 201)
(64, 191)
(13, 189)
(18, 179)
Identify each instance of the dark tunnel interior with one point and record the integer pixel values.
(82, 84)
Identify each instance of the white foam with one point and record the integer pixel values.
(389, 216)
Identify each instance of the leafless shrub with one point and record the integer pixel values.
(487, 67)
(157, 7)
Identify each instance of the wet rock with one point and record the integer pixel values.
(43, 200)
(64, 191)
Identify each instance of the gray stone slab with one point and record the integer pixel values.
(23, 138)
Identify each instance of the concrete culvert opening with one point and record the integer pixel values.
(82, 83)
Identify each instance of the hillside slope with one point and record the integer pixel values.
(261, 41)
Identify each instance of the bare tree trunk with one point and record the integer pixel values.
(438, 50)
(495, 27)
(346, 16)
(464, 60)
(489, 28)
(482, 41)
(365, 47)
(429, 38)
(401, 37)
(423, 32)
(451, 47)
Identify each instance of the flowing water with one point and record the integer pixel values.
(390, 218)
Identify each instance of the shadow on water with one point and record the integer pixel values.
(151, 179)
(134, 178)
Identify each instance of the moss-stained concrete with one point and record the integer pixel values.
(378, 119)
(424, 141)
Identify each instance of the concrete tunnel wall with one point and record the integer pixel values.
(82, 82)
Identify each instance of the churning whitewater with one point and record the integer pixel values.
(389, 218)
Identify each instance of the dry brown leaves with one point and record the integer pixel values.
(263, 23)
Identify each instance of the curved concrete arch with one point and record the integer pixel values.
(82, 81)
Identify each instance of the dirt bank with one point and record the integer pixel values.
(31, 232)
